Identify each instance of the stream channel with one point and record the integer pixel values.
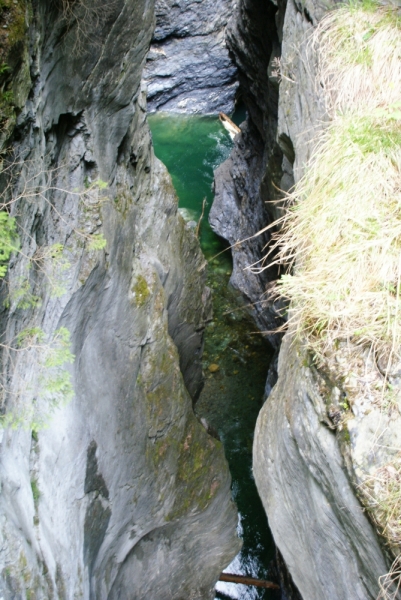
(236, 357)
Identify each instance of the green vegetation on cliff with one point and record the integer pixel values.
(343, 231)
(15, 80)
(42, 275)
(341, 238)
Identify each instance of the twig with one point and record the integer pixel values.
(197, 230)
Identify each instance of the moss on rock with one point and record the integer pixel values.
(140, 291)
(15, 81)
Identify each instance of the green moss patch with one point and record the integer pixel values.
(140, 291)
(14, 62)
(199, 468)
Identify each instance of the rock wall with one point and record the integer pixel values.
(248, 178)
(306, 438)
(319, 525)
(122, 494)
(304, 468)
(188, 67)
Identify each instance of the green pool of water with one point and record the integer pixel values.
(231, 401)
(191, 148)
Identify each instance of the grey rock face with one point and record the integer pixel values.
(302, 476)
(237, 215)
(251, 176)
(253, 39)
(301, 111)
(322, 530)
(188, 67)
(123, 494)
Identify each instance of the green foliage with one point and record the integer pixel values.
(97, 242)
(374, 135)
(60, 353)
(35, 491)
(13, 42)
(4, 68)
(16, 23)
(102, 185)
(98, 184)
(52, 386)
(31, 403)
(364, 5)
(55, 381)
(29, 336)
(22, 296)
(8, 240)
(54, 264)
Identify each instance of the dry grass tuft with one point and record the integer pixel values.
(360, 57)
(390, 584)
(342, 236)
(382, 495)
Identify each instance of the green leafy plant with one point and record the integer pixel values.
(8, 240)
(50, 388)
(30, 403)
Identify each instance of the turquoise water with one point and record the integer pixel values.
(191, 148)
(230, 402)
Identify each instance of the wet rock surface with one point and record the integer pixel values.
(124, 481)
(188, 67)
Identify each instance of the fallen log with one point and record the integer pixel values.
(231, 127)
(231, 578)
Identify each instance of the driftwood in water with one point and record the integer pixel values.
(197, 228)
(229, 577)
(231, 127)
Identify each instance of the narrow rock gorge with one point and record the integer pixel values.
(111, 488)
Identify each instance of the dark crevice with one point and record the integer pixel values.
(308, 16)
(287, 147)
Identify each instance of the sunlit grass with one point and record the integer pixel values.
(343, 235)
(359, 46)
(340, 238)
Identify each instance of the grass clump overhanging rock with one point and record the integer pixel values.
(359, 57)
(344, 234)
(341, 237)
